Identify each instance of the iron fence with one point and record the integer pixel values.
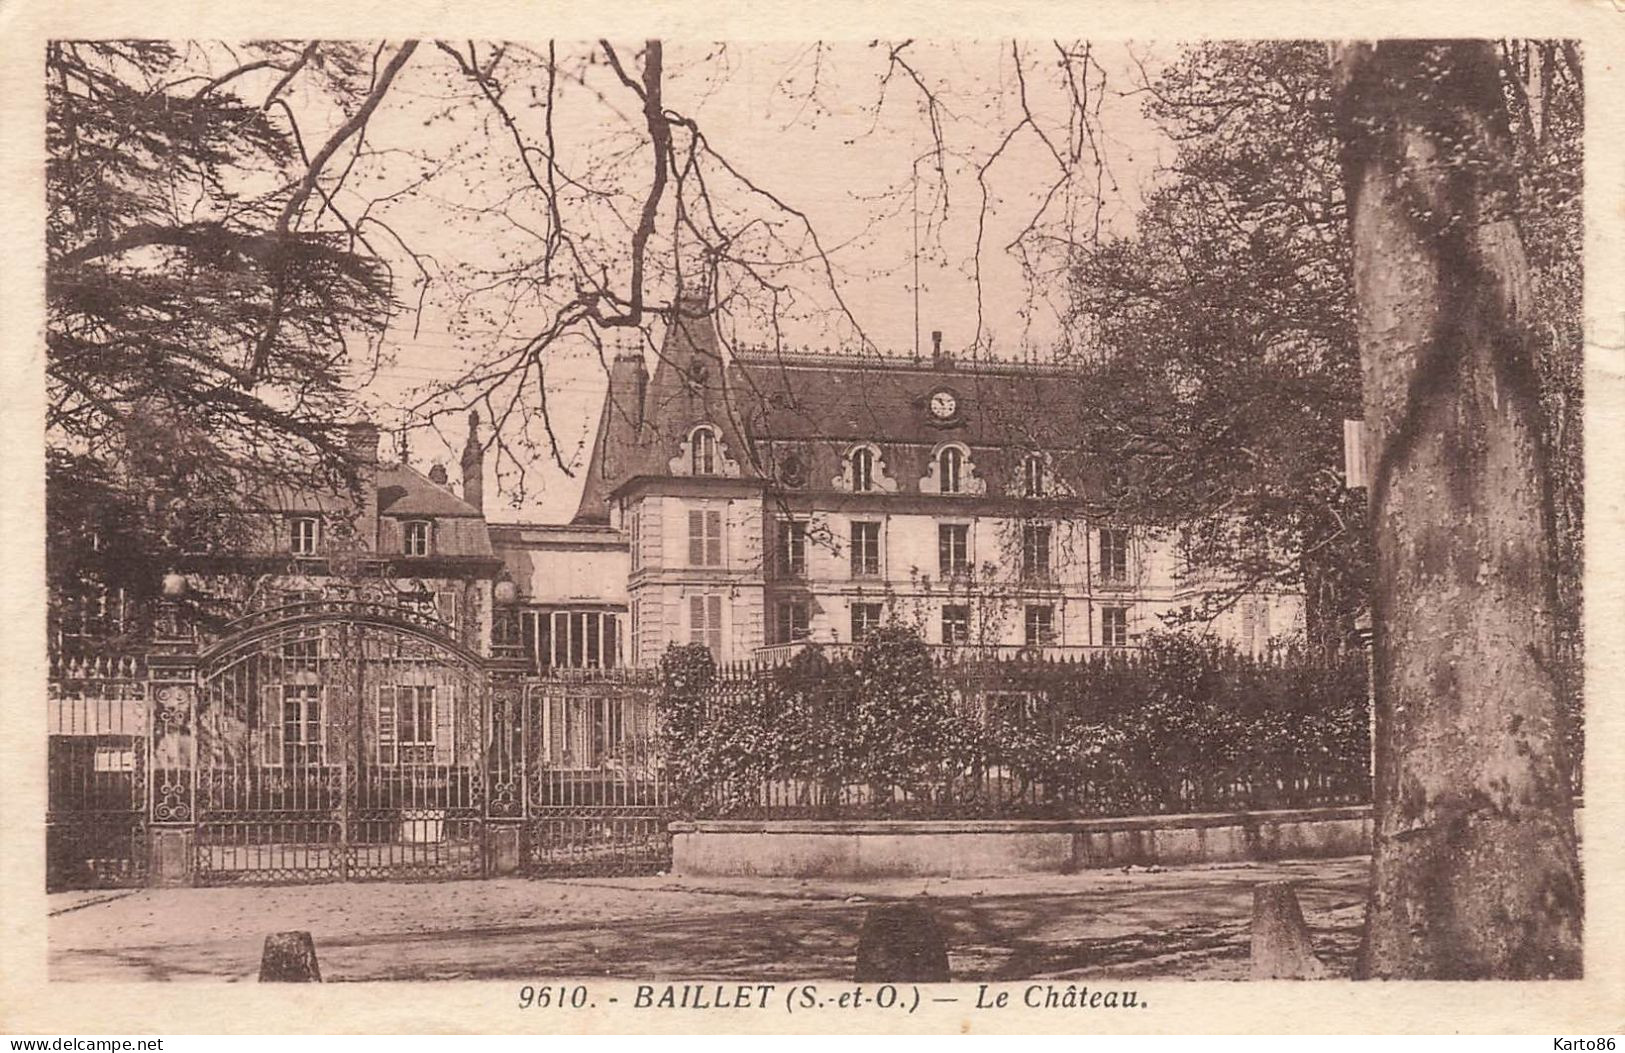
(333, 741)
(97, 772)
(1031, 738)
(345, 742)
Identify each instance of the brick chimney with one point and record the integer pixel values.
(437, 474)
(361, 442)
(474, 465)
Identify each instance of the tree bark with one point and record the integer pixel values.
(1475, 870)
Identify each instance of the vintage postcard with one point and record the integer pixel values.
(1019, 518)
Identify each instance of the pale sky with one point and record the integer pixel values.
(827, 153)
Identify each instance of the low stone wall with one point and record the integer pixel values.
(990, 848)
(997, 847)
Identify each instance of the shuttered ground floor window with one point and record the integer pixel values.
(414, 725)
(596, 732)
(705, 623)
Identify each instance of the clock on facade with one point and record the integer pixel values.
(944, 405)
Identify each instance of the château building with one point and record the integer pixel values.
(758, 502)
(754, 503)
(376, 681)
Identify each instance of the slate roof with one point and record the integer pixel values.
(766, 405)
(404, 491)
(885, 401)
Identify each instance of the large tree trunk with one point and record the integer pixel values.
(1475, 871)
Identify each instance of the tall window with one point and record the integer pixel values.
(792, 550)
(705, 623)
(1114, 555)
(1114, 626)
(704, 538)
(703, 452)
(1035, 550)
(573, 639)
(301, 724)
(792, 621)
(950, 463)
(415, 537)
(306, 535)
(865, 619)
(955, 623)
(406, 724)
(1040, 625)
(865, 550)
(863, 470)
(1033, 477)
(953, 549)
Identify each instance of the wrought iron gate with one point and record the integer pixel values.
(348, 740)
(339, 740)
(596, 789)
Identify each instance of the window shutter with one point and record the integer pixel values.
(696, 619)
(713, 539)
(445, 604)
(386, 725)
(444, 704)
(696, 538)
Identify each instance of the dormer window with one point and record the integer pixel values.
(305, 536)
(415, 537)
(703, 452)
(950, 466)
(863, 470)
(1034, 481)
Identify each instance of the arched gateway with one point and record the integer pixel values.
(334, 738)
(347, 739)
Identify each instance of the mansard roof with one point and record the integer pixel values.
(853, 399)
(760, 402)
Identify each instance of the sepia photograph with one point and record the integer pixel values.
(646, 523)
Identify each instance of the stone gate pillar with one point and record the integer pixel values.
(505, 796)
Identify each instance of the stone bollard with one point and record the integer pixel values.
(1281, 946)
(901, 943)
(289, 958)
